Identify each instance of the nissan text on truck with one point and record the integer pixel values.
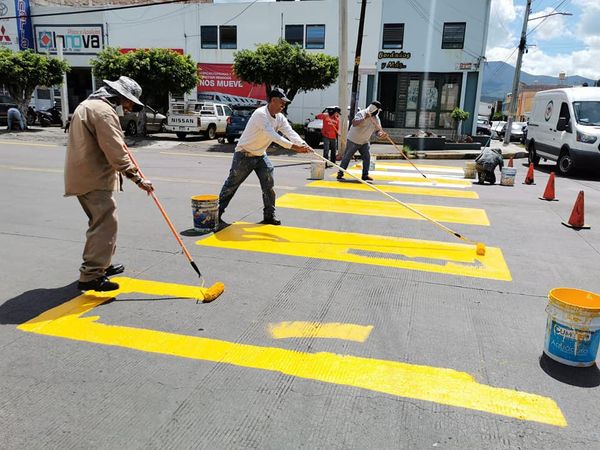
(197, 117)
(565, 127)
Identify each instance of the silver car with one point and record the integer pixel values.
(131, 122)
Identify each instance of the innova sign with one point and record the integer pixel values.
(75, 39)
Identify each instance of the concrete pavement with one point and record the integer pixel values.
(350, 326)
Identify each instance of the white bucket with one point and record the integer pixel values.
(470, 170)
(317, 170)
(372, 162)
(573, 326)
(507, 177)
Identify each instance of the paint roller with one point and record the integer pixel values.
(479, 246)
(209, 294)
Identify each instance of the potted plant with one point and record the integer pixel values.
(458, 115)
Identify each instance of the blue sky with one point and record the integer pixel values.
(569, 44)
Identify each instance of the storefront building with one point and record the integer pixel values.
(420, 58)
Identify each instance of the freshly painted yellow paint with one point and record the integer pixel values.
(429, 256)
(345, 331)
(384, 164)
(468, 216)
(434, 192)
(414, 179)
(433, 384)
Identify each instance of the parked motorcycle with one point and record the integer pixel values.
(51, 116)
(31, 115)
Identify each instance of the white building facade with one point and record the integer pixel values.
(420, 58)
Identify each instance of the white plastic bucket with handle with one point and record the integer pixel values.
(507, 177)
(317, 170)
(470, 170)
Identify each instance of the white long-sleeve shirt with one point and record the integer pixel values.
(261, 130)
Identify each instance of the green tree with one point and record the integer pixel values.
(158, 71)
(287, 66)
(22, 72)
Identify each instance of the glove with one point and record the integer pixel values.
(372, 109)
(145, 185)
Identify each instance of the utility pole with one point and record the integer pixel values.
(64, 99)
(343, 74)
(515, 89)
(355, 75)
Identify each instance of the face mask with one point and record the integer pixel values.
(120, 111)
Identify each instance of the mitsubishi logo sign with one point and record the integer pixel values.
(3, 36)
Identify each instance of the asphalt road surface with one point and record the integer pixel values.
(355, 324)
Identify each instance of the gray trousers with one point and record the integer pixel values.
(101, 236)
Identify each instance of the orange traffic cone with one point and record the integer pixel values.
(576, 220)
(549, 192)
(529, 177)
(510, 162)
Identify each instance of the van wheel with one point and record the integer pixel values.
(181, 135)
(564, 165)
(532, 155)
(211, 132)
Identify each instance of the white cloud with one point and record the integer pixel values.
(502, 14)
(549, 28)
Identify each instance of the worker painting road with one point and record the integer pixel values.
(341, 328)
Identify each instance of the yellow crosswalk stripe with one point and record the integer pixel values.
(412, 254)
(416, 190)
(419, 382)
(468, 216)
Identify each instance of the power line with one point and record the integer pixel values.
(114, 8)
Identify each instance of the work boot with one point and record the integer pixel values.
(100, 284)
(340, 175)
(114, 269)
(367, 178)
(271, 220)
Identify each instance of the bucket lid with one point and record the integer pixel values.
(576, 298)
(205, 197)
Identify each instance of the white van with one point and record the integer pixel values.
(565, 127)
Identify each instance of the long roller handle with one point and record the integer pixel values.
(164, 214)
(375, 188)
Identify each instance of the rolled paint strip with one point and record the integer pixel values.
(345, 331)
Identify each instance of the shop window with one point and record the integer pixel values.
(393, 35)
(228, 36)
(454, 35)
(315, 36)
(208, 36)
(294, 34)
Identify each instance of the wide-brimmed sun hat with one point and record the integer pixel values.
(129, 89)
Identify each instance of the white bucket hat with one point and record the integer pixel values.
(129, 89)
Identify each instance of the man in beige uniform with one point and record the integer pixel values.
(95, 162)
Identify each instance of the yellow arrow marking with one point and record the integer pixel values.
(469, 216)
(396, 189)
(413, 254)
(433, 384)
(345, 331)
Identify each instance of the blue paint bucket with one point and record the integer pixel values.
(573, 326)
(205, 209)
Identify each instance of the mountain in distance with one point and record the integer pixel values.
(498, 80)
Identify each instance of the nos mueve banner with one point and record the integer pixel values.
(220, 78)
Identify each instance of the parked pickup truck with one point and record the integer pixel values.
(189, 117)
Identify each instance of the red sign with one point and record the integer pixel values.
(220, 78)
(128, 50)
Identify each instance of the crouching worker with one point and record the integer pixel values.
(486, 163)
(95, 163)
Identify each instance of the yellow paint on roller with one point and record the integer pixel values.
(428, 181)
(432, 384)
(468, 216)
(433, 192)
(345, 331)
(413, 254)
